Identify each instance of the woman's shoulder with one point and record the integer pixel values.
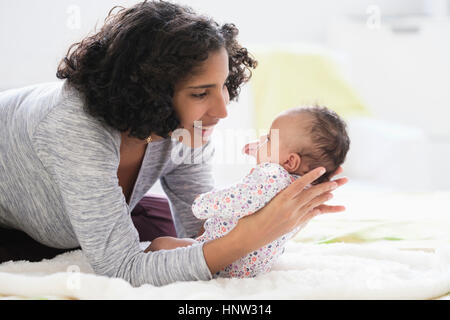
(47, 115)
(26, 108)
(64, 118)
(31, 101)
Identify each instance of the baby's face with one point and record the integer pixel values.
(284, 139)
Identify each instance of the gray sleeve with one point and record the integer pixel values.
(189, 179)
(83, 163)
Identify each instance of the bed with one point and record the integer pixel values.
(387, 245)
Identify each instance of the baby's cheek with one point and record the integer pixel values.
(264, 153)
(261, 155)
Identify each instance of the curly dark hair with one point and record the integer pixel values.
(128, 70)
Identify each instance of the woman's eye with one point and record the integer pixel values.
(200, 95)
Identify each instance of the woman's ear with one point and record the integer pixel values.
(292, 162)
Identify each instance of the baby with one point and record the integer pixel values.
(300, 140)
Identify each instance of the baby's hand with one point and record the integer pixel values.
(169, 243)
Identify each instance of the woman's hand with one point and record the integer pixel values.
(201, 231)
(332, 209)
(292, 207)
(169, 243)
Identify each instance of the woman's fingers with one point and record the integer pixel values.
(311, 201)
(337, 172)
(310, 207)
(300, 184)
(341, 181)
(318, 210)
(299, 205)
(323, 208)
(306, 195)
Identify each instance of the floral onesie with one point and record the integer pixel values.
(223, 208)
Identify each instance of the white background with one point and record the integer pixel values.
(401, 69)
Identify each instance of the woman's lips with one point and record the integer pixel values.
(206, 131)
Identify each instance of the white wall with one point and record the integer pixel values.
(35, 35)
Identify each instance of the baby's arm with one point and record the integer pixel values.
(244, 198)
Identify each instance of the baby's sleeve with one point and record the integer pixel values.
(246, 197)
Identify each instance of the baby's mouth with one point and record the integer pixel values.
(251, 148)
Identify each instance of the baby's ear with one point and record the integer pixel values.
(292, 162)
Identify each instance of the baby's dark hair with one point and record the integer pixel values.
(330, 141)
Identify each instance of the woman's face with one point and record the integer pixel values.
(201, 100)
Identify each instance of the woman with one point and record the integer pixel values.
(78, 155)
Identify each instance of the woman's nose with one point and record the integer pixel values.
(219, 110)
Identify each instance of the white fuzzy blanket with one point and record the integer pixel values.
(305, 271)
(362, 254)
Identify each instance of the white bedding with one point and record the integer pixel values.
(386, 246)
(305, 271)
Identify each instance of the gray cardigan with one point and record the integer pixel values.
(59, 184)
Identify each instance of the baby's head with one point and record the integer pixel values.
(309, 137)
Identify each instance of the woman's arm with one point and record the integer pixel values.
(292, 207)
(84, 173)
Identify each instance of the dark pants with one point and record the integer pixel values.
(151, 217)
